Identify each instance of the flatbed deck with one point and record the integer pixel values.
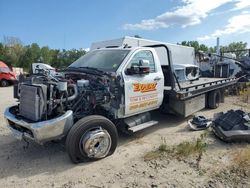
(200, 81)
(189, 89)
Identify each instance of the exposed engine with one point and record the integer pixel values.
(44, 97)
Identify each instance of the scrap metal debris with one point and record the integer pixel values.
(199, 123)
(231, 126)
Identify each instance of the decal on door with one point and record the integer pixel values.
(143, 101)
(144, 87)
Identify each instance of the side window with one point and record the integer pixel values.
(143, 55)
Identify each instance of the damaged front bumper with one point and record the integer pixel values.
(39, 132)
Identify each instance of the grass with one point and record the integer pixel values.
(238, 89)
(181, 151)
(159, 152)
(149, 156)
(245, 96)
(237, 171)
(188, 148)
(241, 162)
(243, 99)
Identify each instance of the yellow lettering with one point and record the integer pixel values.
(144, 87)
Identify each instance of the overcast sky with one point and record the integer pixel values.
(76, 23)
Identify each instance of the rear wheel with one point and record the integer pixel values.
(91, 138)
(4, 83)
(214, 99)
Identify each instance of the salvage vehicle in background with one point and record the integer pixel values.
(7, 77)
(186, 72)
(105, 90)
(37, 68)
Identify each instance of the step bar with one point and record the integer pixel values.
(143, 126)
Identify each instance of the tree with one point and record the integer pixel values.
(236, 47)
(66, 57)
(35, 52)
(14, 53)
(12, 50)
(11, 41)
(203, 48)
(195, 44)
(212, 49)
(46, 55)
(55, 61)
(26, 60)
(4, 55)
(32, 54)
(1, 52)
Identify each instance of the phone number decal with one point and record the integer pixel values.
(142, 105)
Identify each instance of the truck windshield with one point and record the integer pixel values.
(4, 69)
(104, 60)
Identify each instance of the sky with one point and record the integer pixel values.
(67, 24)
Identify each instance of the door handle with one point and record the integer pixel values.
(157, 78)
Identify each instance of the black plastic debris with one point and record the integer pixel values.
(233, 125)
(199, 123)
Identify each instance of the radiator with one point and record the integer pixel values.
(33, 101)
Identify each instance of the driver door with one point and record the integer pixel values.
(143, 92)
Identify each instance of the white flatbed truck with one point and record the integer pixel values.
(108, 89)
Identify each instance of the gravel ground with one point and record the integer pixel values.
(49, 165)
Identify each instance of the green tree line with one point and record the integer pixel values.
(237, 47)
(15, 54)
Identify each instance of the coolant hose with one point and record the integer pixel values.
(72, 97)
(75, 93)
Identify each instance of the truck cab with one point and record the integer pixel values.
(143, 81)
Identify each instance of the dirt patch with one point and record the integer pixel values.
(235, 172)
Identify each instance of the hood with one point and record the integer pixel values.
(9, 73)
(3, 65)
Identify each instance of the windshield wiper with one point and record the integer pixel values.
(92, 68)
(87, 69)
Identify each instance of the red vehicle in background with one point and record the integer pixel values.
(7, 77)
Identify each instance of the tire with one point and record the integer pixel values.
(122, 128)
(91, 132)
(214, 98)
(4, 83)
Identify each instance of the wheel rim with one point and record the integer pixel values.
(4, 83)
(96, 143)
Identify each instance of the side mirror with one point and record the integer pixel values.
(141, 68)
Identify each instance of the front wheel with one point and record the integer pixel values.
(91, 138)
(4, 83)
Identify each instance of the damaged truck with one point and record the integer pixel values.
(111, 88)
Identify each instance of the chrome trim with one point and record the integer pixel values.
(42, 131)
(96, 143)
